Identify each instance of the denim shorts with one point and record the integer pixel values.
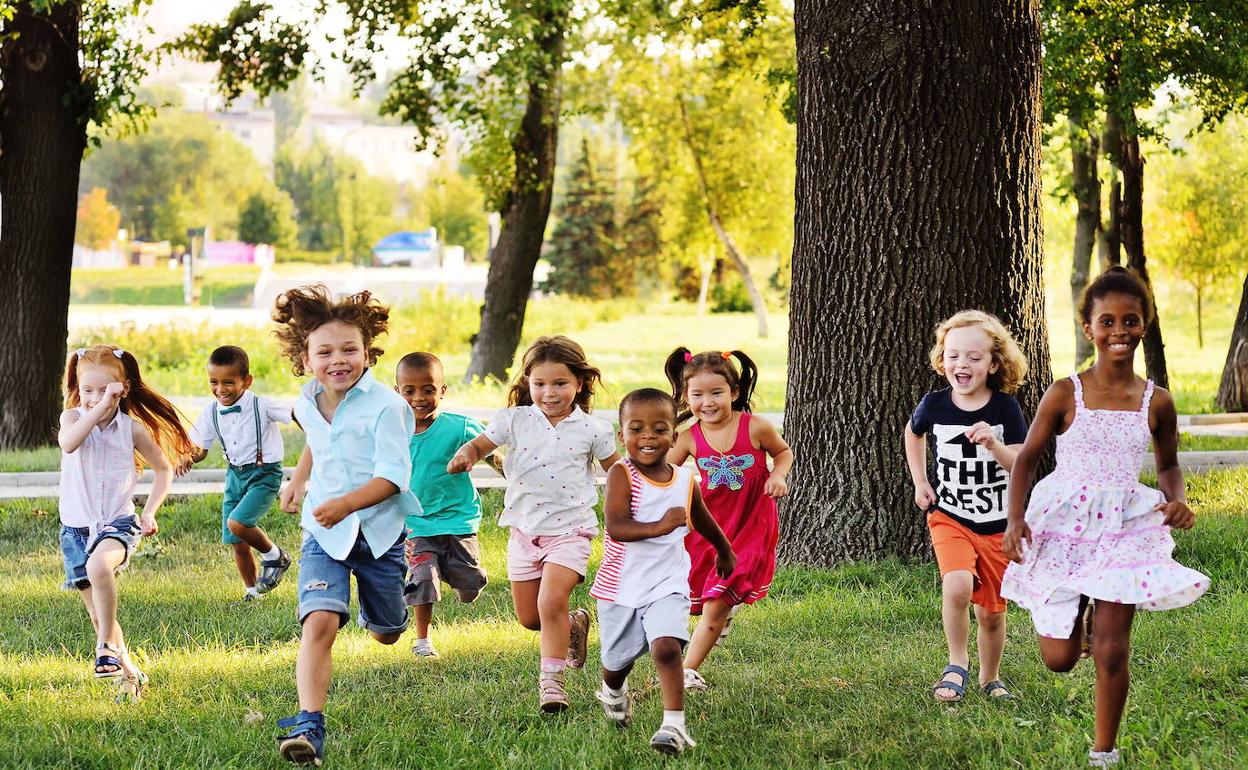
(77, 545)
(325, 585)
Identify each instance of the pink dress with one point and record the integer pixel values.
(732, 486)
(1093, 527)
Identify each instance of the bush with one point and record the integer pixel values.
(730, 296)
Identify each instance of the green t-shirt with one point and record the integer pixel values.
(450, 503)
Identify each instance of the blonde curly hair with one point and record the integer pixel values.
(1010, 361)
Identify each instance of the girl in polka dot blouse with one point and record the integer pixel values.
(1093, 537)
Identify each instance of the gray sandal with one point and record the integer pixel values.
(959, 690)
(996, 690)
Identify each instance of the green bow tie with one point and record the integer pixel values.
(231, 409)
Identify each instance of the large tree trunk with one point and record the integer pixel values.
(1087, 187)
(1233, 390)
(42, 137)
(525, 211)
(717, 224)
(918, 195)
(1132, 224)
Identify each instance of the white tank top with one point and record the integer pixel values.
(98, 478)
(637, 574)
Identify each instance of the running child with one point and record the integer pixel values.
(642, 585)
(552, 441)
(441, 541)
(355, 470)
(111, 421)
(976, 429)
(731, 447)
(1095, 537)
(245, 425)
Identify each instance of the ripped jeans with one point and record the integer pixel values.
(325, 584)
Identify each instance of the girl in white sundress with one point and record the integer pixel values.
(1093, 536)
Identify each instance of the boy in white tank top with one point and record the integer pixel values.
(642, 585)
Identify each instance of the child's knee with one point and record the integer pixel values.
(99, 571)
(1111, 652)
(237, 528)
(1060, 662)
(992, 622)
(529, 618)
(386, 638)
(551, 606)
(666, 652)
(958, 585)
(320, 627)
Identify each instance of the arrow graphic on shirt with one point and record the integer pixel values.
(969, 448)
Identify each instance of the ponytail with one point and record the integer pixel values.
(746, 384)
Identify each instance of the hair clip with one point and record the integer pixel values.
(688, 356)
(81, 352)
(725, 355)
(119, 352)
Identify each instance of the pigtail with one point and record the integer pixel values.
(746, 384)
(161, 418)
(519, 394)
(674, 368)
(70, 384)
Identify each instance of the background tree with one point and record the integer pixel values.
(1233, 389)
(455, 205)
(918, 138)
(67, 69)
(268, 217)
(583, 249)
(98, 220)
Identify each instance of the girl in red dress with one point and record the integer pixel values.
(731, 447)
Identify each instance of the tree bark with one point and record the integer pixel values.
(1233, 390)
(1132, 224)
(42, 138)
(717, 224)
(918, 195)
(1087, 188)
(509, 281)
(1112, 253)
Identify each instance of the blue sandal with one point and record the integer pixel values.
(106, 655)
(305, 743)
(945, 684)
(996, 690)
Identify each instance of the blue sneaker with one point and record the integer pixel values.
(304, 744)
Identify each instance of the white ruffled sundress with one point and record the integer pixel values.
(1093, 527)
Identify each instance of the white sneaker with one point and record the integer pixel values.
(618, 708)
(424, 648)
(694, 681)
(671, 740)
(1103, 758)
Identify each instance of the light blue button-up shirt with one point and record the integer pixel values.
(368, 439)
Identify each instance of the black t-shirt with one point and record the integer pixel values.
(970, 485)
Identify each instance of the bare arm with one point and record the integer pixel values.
(368, 494)
(702, 522)
(1005, 454)
(617, 510)
(1166, 452)
(610, 461)
(916, 461)
(681, 450)
(767, 438)
(292, 493)
(1051, 415)
(162, 470)
(470, 454)
(75, 427)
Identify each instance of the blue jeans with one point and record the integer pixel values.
(325, 585)
(77, 545)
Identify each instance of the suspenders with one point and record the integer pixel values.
(216, 426)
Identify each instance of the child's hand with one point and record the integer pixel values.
(776, 487)
(183, 465)
(459, 464)
(1012, 542)
(981, 433)
(291, 500)
(1178, 515)
(674, 519)
(147, 524)
(112, 397)
(725, 563)
(924, 496)
(332, 511)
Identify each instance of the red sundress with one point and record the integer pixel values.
(732, 485)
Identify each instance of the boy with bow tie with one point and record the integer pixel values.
(246, 426)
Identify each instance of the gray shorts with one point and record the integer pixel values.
(455, 559)
(626, 633)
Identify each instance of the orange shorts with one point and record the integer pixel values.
(957, 547)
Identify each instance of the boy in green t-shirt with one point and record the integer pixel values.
(442, 540)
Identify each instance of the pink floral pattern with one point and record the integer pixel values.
(1094, 530)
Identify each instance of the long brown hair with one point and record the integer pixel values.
(161, 418)
(301, 311)
(682, 364)
(556, 349)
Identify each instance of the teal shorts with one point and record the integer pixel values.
(249, 493)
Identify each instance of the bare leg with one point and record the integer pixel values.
(552, 607)
(422, 616)
(991, 642)
(1111, 651)
(714, 617)
(615, 679)
(313, 666)
(1061, 655)
(85, 593)
(252, 536)
(666, 655)
(104, 560)
(955, 599)
(245, 562)
(524, 599)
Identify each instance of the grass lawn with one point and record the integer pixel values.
(831, 670)
(223, 286)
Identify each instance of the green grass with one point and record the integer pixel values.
(223, 286)
(831, 670)
(1203, 443)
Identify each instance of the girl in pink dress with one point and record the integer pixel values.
(1094, 536)
(731, 447)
